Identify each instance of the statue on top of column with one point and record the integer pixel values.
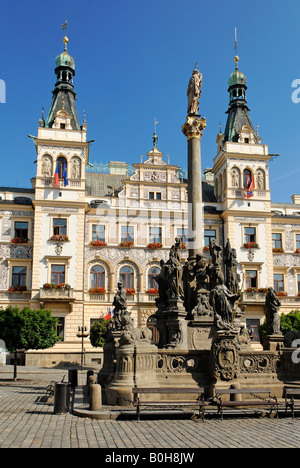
(194, 91)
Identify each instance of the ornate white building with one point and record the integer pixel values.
(66, 242)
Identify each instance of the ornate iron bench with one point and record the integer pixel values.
(256, 401)
(196, 401)
(290, 394)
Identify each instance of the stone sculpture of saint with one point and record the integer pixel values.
(194, 92)
(174, 271)
(120, 305)
(222, 302)
(46, 167)
(272, 306)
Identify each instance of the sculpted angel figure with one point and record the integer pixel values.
(194, 92)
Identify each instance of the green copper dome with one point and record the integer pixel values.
(65, 60)
(237, 78)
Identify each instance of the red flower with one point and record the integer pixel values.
(98, 244)
(152, 291)
(97, 290)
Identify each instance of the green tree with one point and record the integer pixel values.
(98, 333)
(27, 329)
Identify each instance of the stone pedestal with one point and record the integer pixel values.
(224, 357)
(135, 366)
(109, 365)
(273, 343)
(200, 333)
(172, 325)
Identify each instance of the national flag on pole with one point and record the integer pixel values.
(56, 177)
(65, 175)
(109, 315)
(250, 186)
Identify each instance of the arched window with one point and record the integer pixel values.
(60, 162)
(152, 273)
(97, 277)
(127, 277)
(247, 178)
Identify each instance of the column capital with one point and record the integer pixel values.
(193, 127)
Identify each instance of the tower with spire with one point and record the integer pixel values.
(241, 174)
(60, 203)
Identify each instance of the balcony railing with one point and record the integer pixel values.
(56, 294)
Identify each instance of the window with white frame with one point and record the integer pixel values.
(127, 277)
(155, 235)
(97, 277)
(98, 232)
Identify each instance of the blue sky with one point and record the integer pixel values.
(133, 63)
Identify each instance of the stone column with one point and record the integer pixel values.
(193, 129)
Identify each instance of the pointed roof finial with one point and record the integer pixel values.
(236, 58)
(155, 137)
(64, 27)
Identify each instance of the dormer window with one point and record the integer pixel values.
(62, 126)
(246, 140)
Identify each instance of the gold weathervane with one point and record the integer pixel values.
(64, 27)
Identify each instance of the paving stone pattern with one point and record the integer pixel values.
(26, 422)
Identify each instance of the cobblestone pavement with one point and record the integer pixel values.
(26, 422)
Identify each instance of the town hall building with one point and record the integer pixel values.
(67, 242)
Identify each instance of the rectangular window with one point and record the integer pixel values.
(252, 326)
(154, 235)
(250, 235)
(158, 196)
(278, 283)
(127, 233)
(60, 328)
(297, 241)
(151, 195)
(183, 234)
(298, 283)
(209, 234)
(251, 279)
(98, 233)
(21, 229)
(276, 241)
(59, 227)
(58, 274)
(19, 276)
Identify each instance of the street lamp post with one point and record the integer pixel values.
(82, 333)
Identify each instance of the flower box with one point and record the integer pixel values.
(18, 289)
(206, 249)
(97, 291)
(56, 286)
(250, 245)
(278, 250)
(281, 293)
(297, 251)
(251, 290)
(262, 290)
(152, 291)
(20, 240)
(154, 245)
(98, 244)
(127, 244)
(130, 292)
(59, 238)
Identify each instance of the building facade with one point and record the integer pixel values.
(65, 243)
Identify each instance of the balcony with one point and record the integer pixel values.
(63, 295)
